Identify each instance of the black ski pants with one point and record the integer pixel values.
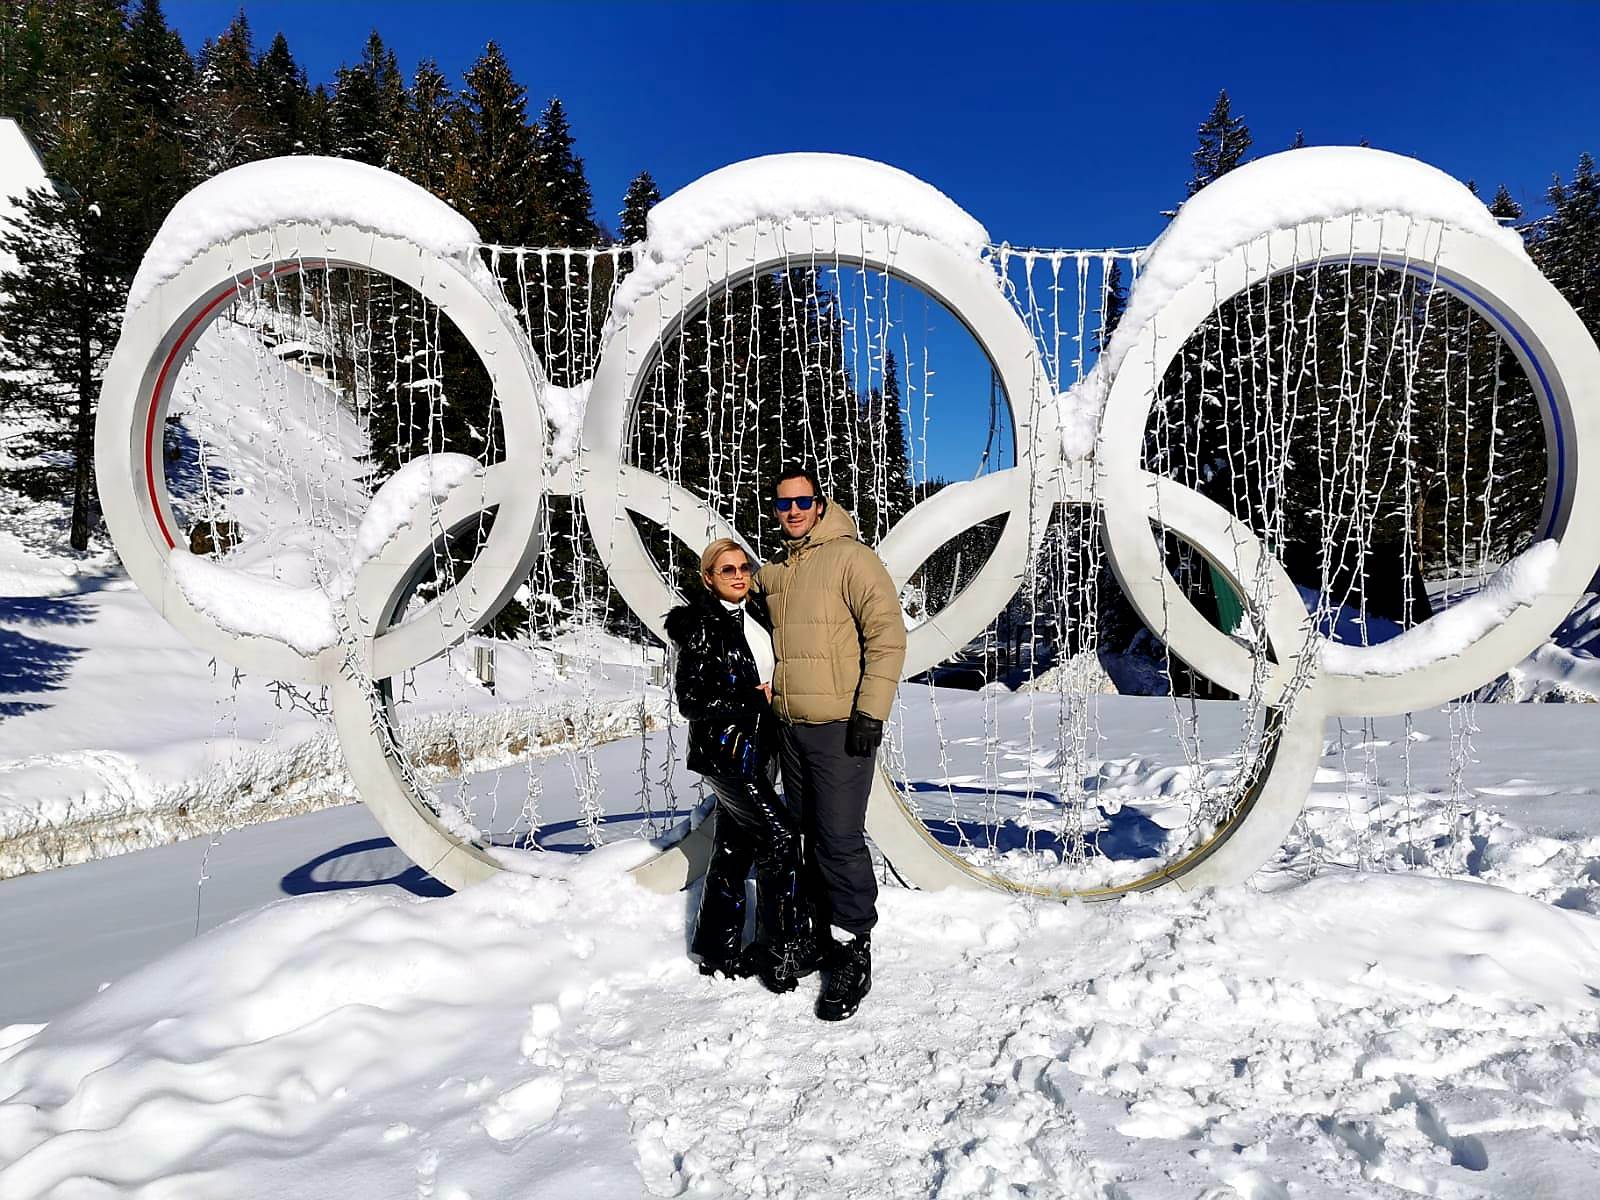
(754, 828)
(828, 788)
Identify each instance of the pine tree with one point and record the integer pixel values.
(1299, 142)
(493, 183)
(1566, 243)
(319, 132)
(897, 450)
(425, 141)
(1504, 206)
(368, 100)
(1224, 139)
(642, 195)
(226, 124)
(159, 74)
(565, 205)
(285, 100)
(62, 311)
(25, 38)
(75, 251)
(1112, 306)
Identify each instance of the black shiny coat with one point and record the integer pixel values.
(732, 731)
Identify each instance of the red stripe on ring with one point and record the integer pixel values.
(161, 382)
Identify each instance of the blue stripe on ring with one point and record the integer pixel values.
(1498, 318)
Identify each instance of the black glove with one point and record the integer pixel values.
(863, 735)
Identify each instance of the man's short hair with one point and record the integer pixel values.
(796, 471)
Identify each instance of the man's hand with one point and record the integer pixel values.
(863, 735)
(766, 690)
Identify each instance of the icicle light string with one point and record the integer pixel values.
(1260, 398)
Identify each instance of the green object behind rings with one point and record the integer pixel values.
(1230, 607)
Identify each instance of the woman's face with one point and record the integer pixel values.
(729, 576)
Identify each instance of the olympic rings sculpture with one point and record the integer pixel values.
(1463, 256)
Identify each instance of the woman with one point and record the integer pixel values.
(723, 679)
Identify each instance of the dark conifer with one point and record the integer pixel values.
(642, 195)
(1566, 243)
(1504, 206)
(494, 175)
(226, 123)
(897, 450)
(1224, 139)
(159, 74)
(285, 100)
(565, 203)
(75, 248)
(368, 100)
(1112, 306)
(425, 143)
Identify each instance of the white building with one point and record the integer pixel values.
(21, 169)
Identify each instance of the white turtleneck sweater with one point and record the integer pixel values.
(757, 638)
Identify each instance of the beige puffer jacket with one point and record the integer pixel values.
(837, 627)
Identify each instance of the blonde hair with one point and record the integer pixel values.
(715, 551)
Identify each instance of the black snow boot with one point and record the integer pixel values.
(787, 944)
(849, 979)
(719, 927)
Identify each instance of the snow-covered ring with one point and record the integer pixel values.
(916, 234)
(779, 188)
(1307, 188)
(755, 216)
(252, 623)
(1453, 653)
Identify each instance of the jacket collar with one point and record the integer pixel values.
(755, 603)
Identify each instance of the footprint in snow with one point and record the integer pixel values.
(1518, 787)
(522, 1109)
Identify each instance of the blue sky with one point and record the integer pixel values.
(1067, 124)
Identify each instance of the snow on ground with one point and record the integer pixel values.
(1346, 1027)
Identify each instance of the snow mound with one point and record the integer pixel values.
(547, 1035)
(564, 408)
(256, 605)
(412, 491)
(311, 189)
(1517, 584)
(778, 187)
(1315, 183)
(284, 590)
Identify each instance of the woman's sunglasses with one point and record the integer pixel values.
(803, 503)
(729, 570)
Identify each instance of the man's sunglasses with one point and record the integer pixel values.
(803, 503)
(729, 570)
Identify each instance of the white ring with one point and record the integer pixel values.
(156, 340)
(1554, 349)
(965, 285)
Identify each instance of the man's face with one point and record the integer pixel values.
(795, 521)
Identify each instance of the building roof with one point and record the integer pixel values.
(21, 170)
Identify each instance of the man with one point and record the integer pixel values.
(840, 640)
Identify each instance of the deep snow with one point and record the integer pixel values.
(1345, 1027)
